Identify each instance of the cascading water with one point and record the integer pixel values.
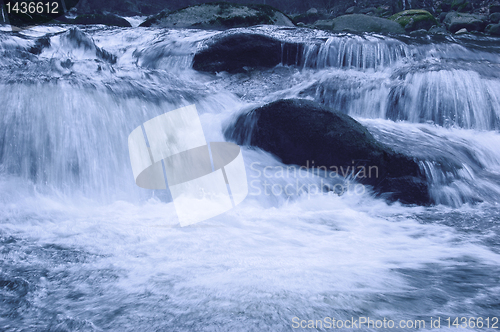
(84, 248)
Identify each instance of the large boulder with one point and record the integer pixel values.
(461, 5)
(306, 18)
(300, 132)
(323, 24)
(243, 51)
(495, 18)
(495, 7)
(106, 19)
(456, 21)
(493, 29)
(414, 19)
(365, 23)
(219, 15)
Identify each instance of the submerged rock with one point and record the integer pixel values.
(243, 51)
(456, 21)
(219, 15)
(365, 23)
(40, 44)
(76, 39)
(414, 19)
(300, 132)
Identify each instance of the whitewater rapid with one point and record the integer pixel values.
(83, 248)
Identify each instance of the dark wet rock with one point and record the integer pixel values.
(442, 16)
(307, 18)
(352, 10)
(456, 21)
(420, 32)
(300, 131)
(40, 44)
(323, 24)
(493, 29)
(461, 5)
(438, 30)
(219, 15)
(445, 6)
(495, 18)
(495, 7)
(384, 11)
(365, 23)
(240, 52)
(368, 11)
(14, 285)
(414, 19)
(77, 39)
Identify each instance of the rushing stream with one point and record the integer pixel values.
(85, 249)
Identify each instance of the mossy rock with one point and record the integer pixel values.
(106, 19)
(365, 23)
(219, 15)
(414, 19)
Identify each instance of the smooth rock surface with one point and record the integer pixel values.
(241, 52)
(456, 21)
(301, 131)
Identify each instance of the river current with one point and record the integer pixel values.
(82, 248)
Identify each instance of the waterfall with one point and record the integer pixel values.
(85, 249)
(387, 78)
(67, 133)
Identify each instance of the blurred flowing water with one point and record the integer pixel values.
(84, 249)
